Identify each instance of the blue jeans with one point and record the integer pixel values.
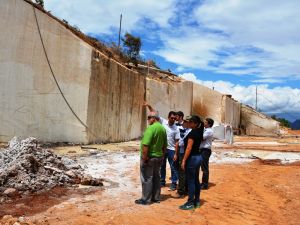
(192, 176)
(173, 165)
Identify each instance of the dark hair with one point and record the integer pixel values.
(196, 119)
(210, 121)
(172, 113)
(180, 113)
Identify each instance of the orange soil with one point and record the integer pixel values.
(254, 193)
(239, 194)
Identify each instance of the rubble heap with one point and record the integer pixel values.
(25, 167)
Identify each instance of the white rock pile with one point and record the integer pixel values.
(27, 168)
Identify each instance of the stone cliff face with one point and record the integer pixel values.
(88, 96)
(116, 95)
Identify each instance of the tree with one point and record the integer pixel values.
(283, 122)
(132, 46)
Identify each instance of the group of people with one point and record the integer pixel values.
(186, 144)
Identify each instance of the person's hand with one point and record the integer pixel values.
(175, 157)
(183, 165)
(145, 103)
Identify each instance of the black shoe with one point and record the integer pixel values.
(197, 205)
(162, 185)
(141, 202)
(187, 207)
(172, 187)
(204, 186)
(155, 201)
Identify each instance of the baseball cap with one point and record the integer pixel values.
(193, 118)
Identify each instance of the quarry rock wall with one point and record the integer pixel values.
(256, 123)
(31, 104)
(207, 103)
(221, 108)
(103, 99)
(231, 114)
(167, 96)
(106, 97)
(115, 105)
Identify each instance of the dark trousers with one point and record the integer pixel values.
(205, 152)
(192, 176)
(181, 175)
(150, 179)
(173, 165)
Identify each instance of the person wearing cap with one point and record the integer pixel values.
(205, 149)
(192, 161)
(173, 136)
(153, 147)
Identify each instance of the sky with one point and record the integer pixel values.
(233, 46)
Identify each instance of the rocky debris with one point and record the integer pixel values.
(89, 180)
(25, 168)
(10, 220)
(11, 192)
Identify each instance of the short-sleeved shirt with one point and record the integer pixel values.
(208, 137)
(155, 138)
(172, 133)
(197, 136)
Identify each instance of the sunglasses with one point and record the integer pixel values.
(149, 117)
(173, 118)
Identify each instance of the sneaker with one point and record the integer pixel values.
(197, 205)
(172, 187)
(187, 207)
(141, 202)
(204, 186)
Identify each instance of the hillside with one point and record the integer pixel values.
(296, 125)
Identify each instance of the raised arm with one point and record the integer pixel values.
(151, 109)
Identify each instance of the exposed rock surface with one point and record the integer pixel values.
(25, 167)
(10, 220)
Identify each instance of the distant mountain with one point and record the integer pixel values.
(296, 125)
(288, 116)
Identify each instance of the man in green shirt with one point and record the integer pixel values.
(153, 147)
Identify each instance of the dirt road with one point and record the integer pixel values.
(257, 192)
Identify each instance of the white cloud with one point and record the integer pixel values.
(270, 100)
(240, 37)
(100, 16)
(268, 80)
(257, 37)
(191, 48)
